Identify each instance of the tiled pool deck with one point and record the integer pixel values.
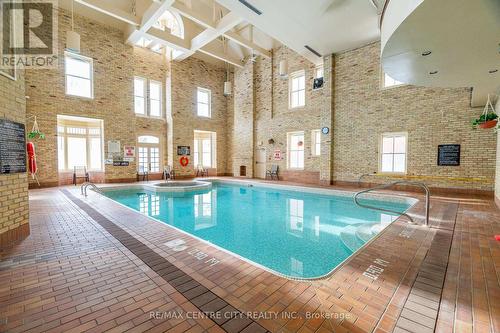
(92, 265)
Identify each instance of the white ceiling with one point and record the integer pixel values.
(328, 26)
(464, 38)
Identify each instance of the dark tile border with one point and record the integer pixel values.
(222, 313)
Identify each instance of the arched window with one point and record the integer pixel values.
(173, 22)
(148, 139)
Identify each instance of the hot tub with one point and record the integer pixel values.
(177, 185)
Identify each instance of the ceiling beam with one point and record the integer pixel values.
(153, 13)
(108, 9)
(218, 53)
(208, 24)
(149, 19)
(247, 43)
(193, 15)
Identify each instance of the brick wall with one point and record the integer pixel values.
(431, 116)
(13, 187)
(274, 119)
(497, 176)
(115, 65)
(186, 77)
(243, 121)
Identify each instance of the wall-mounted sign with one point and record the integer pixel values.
(12, 147)
(114, 146)
(128, 151)
(325, 130)
(277, 155)
(449, 155)
(183, 150)
(121, 163)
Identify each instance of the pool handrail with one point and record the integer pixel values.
(83, 188)
(384, 186)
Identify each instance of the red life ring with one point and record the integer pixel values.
(184, 161)
(30, 147)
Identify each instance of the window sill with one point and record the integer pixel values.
(295, 169)
(80, 97)
(392, 87)
(296, 108)
(383, 173)
(149, 117)
(206, 117)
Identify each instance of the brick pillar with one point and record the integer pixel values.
(327, 113)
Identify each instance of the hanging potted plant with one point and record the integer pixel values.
(488, 118)
(35, 132)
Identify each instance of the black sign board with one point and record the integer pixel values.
(183, 150)
(449, 155)
(121, 163)
(12, 147)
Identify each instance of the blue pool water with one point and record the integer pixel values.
(297, 234)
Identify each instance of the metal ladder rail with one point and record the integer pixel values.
(384, 186)
(83, 188)
(364, 175)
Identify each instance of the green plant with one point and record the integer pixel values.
(484, 118)
(36, 134)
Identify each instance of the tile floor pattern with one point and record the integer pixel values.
(229, 318)
(73, 275)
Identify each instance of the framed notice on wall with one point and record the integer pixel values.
(448, 155)
(12, 147)
(183, 150)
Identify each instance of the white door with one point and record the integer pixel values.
(260, 163)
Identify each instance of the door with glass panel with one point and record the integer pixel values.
(148, 153)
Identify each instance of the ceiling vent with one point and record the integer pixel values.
(251, 7)
(312, 50)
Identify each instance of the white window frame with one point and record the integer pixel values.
(383, 81)
(198, 137)
(209, 92)
(144, 96)
(381, 152)
(289, 150)
(316, 142)
(80, 122)
(90, 61)
(151, 82)
(296, 75)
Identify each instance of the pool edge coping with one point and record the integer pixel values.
(296, 188)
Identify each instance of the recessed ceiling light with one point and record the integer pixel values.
(433, 72)
(426, 53)
(493, 71)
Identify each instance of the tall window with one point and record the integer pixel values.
(79, 75)
(204, 149)
(316, 142)
(296, 150)
(297, 96)
(79, 143)
(140, 95)
(389, 82)
(148, 157)
(393, 152)
(154, 99)
(203, 100)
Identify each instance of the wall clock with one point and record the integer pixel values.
(325, 130)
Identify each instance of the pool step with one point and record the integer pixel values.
(349, 238)
(356, 235)
(366, 231)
